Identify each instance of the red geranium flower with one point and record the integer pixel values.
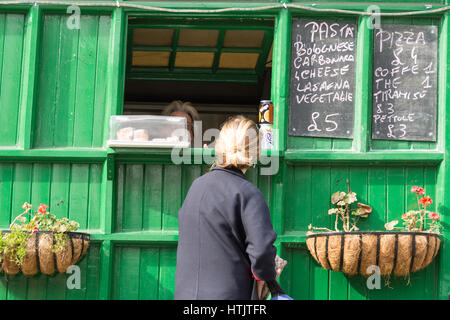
(35, 229)
(434, 216)
(425, 201)
(418, 190)
(43, 208)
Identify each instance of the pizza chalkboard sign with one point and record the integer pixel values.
(404, 86)
(322, 79)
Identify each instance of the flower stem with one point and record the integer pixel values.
(25, 212)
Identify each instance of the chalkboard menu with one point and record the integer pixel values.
(404, 86)
(322, 79)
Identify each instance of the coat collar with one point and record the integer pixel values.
(232, 170)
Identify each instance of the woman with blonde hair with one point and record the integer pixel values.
(225, 246)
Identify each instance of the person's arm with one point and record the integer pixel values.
(260, 236)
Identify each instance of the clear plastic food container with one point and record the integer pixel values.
(148, 131)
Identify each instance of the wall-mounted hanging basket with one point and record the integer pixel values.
(397, 253)
(41, 258)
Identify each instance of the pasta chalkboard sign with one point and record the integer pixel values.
(404, 86)
(322, 79)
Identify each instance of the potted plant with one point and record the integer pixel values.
(396, 250)
(39, 242)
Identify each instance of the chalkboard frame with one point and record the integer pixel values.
(401, 22)
(321, 18)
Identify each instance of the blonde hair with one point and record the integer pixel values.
(178, 105)
(237, 144)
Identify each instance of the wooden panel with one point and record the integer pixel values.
(144, 272)
(11, 45)
(243, 38)
(152, 37)
(194, 59)
(150, 195)
(71, 85)
(387, 190)
(230, 60)
(196, 38)
(71, 190)
(293, 279)
(150, 58)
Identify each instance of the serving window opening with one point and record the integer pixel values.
(219, 67)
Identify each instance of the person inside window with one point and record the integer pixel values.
(179, 108)
(225, 248)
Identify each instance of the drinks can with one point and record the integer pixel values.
(266, 112)
(266, 136)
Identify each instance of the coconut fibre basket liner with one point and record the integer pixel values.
(397, 253)
(41, 258)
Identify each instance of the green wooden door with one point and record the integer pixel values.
(58, 88)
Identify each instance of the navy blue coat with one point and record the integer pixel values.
(225, 234)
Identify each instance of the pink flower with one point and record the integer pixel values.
(434, 216)
(418, 190)
(26, 205)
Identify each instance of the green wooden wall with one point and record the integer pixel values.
(58, 88)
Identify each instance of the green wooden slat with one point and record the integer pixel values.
(107, 257)
(337, 281)
(41, 186)
(167, 263)
(295, 221)
(151, 214)
(94, 205)
(429, 274)
(293, 278)
(119, 208)
(149, 273)
(37, 287)
(363, 58)
(126, 274)
(359, 183)
(101, 80)
(319, 208)
(92, 271)
(59, 202)
(47, 82)
(65, 98)
(86, 77)
(11, 44)
(171, 197)
(2, 41)
(133, 188)
(79, 194)
(32, 48)
(17, 287)
(115, 68)
(56, 287)
(443, 177)
(21, 192)
(6, 187)
(280, 76)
